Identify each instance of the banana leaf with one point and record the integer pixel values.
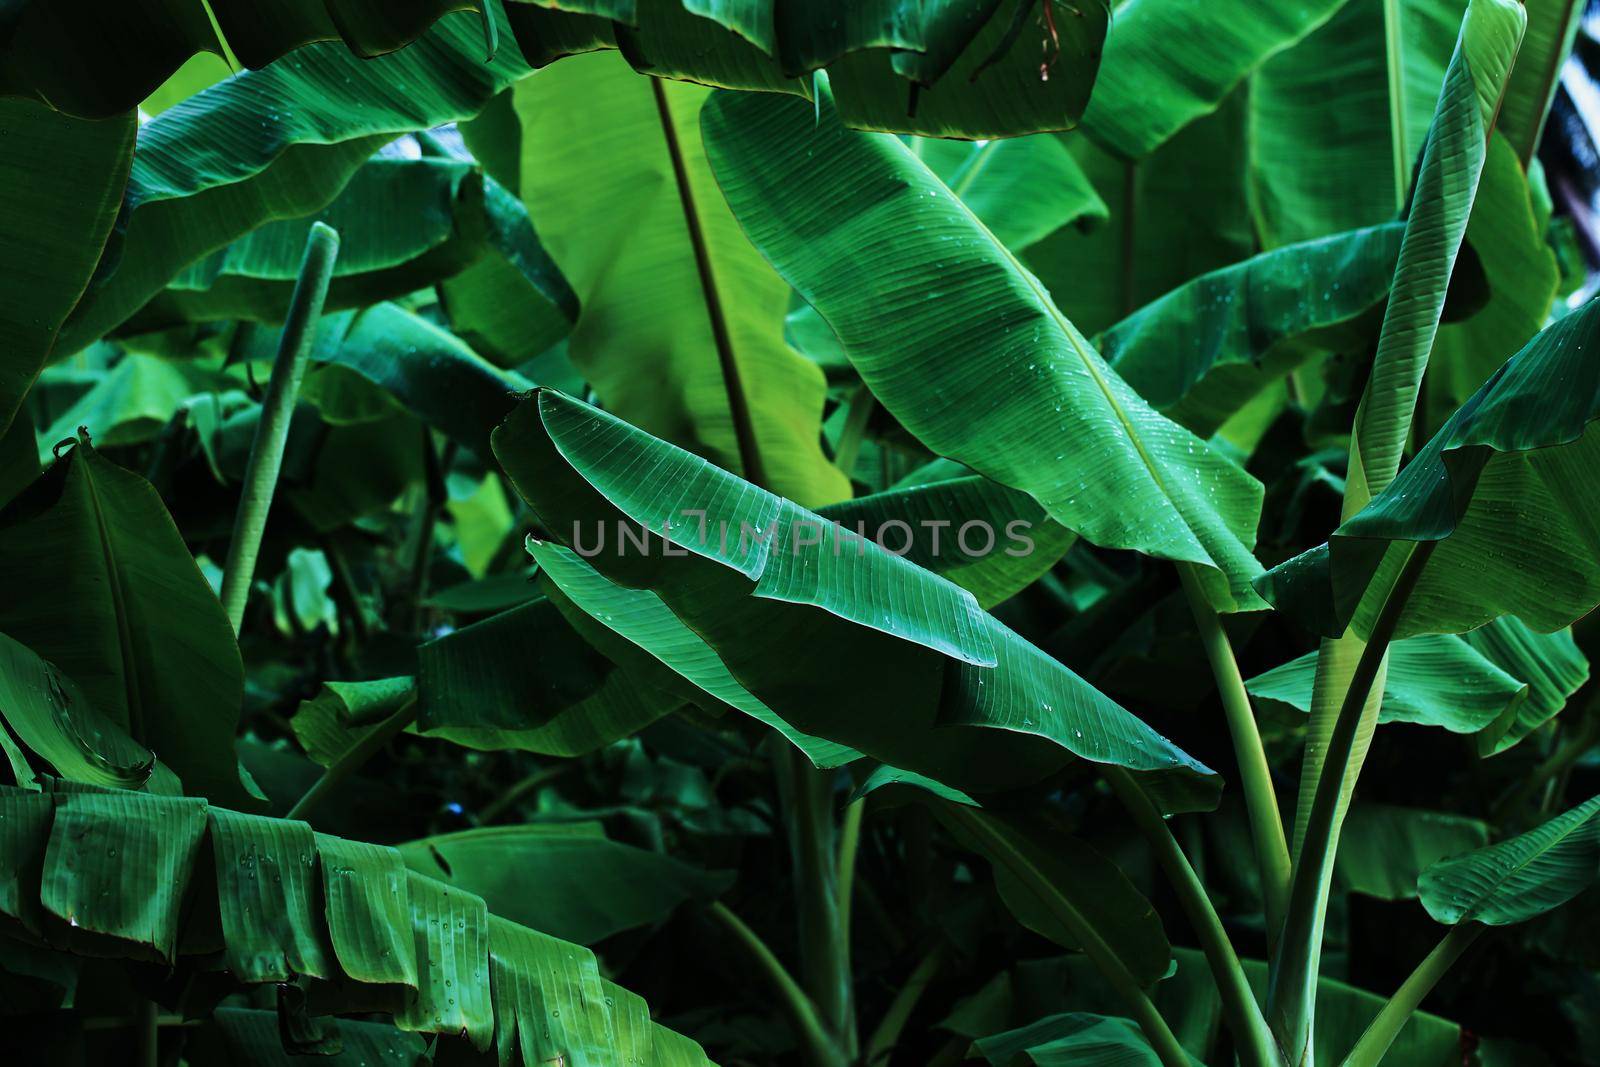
(963, 345)
(681, 328)
(115, 873)
(105, 589)
(1201, 352)
(1500, 492)
(1074, 1038)
(95, 60)
(803, 603)
(1517, 879)
(271, 144)
(62, 178)
(456, 218)
(590, 887)
(951, 68)
(1169, 62)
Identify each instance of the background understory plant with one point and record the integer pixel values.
(852, 535)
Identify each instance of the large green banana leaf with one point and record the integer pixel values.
(277, 143)
(793, 609)
(1022, 188)
(1502, 491)
(963, 345)
(97, 59)
(681, 328)
(1170, 61)
(1384, 848)
(1552, 665)
(455, 218)
(102, 586)
(503, 682)
(1435, 680)
(51, 716)
(426, 369)
(1311, 177)
(1202, 351)
(132, 402)
(116, 873)
(60, 182)
(526, 679)
(1515, 880)
(950, 68)
(1552, 26)
(1507, 232)
(589, 887)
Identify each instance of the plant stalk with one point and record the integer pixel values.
(1294, 979)
(1260, 800)
(277, 409)
(824, 940)
(354, 758)
(799, 1007)
(1162, 1040)
(1253, 1041)
(849, 846)
(147, 1024)
(887, 1033)
(1374, 1043)
(1395, 62)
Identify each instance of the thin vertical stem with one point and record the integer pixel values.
(738, 407)
(1252, 1037)
(277, 408)
(1395, 61)
(1294, 979)
(799, 1007)
(1370, 1049)
(1260, 800)
(1104, 958)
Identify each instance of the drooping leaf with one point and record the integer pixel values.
(52, 717)
(117, 869)
(1384, 848)
(428, 370)
(62, 179)
(1023, 188)
(524, 678)
(104, 588)
(455, 218)
(1202, 351)
(1434, 680)
(768, 604)
(589, 887)
(86, 59)
(681, 329)
(1002, 381)
(249, 1037)
(1148, 89)
(1514, 880)
(1500, 490)
(277, 143)
(1551, 664)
